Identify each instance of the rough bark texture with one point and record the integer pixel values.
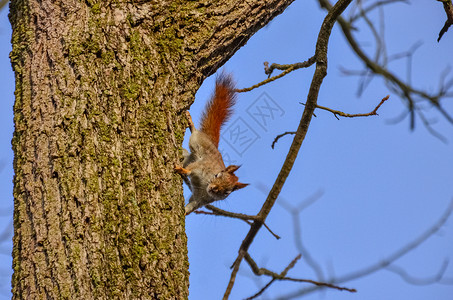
(100, 87)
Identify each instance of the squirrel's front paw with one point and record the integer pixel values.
(181, 170)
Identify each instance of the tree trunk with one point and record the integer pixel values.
(100, 91)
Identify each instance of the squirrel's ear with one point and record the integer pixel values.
(240, 185)
(231, 169)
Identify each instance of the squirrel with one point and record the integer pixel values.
(203, 168)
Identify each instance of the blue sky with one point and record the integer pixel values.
(380, 185)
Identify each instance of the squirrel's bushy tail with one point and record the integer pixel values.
(219, 108)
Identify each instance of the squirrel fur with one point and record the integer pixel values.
(203, 168)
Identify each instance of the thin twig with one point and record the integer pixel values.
(263, 289)
(246, 218)
(419, 281)
(288, 69)
(268, 70)
(372, 7)
(321, 284)
(337, 113)
(271, 232)
(282, 276)
(220, 212)
(280, 136)
(285, 271)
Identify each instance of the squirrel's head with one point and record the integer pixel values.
(224, 183)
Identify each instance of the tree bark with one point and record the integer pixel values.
(100, 91)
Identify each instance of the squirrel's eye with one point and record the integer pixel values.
(217, 175)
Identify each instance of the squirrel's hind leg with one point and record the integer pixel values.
(189, 120)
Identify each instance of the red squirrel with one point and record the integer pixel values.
(203, 168)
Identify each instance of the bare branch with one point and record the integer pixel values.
(282, 276)
(403, 89)
(405, 54)
(318, 76)
(3, 3)
(448, 7)
(383, 263)
(297, 227)
(430, 128)
(337, 113)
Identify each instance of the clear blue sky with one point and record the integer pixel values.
(382, 185)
